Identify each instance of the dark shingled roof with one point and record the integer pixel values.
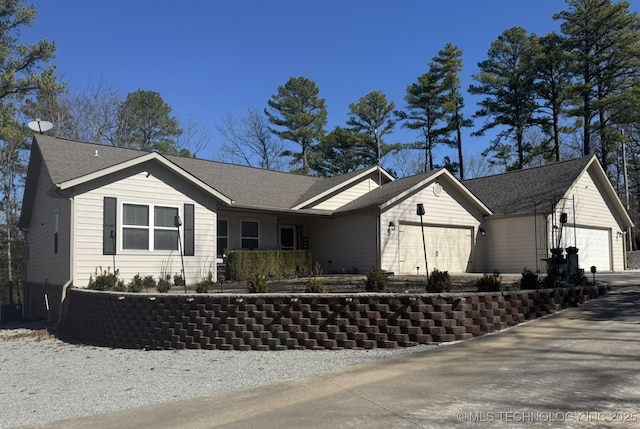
(246, 186)
(516, 191)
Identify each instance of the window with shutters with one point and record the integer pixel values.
(149, 227)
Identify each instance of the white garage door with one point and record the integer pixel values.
(448, 249)
(594, 247)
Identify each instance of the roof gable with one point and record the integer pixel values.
(517, 191)
(329, 186)
(398, 190)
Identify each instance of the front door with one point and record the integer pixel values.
(287, 237)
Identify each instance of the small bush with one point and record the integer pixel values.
(490, 283)
(164, 285)
(106, 280)
(579, 278)
(315, 285)
(439, 281)
(135, 285)
(376, 280)
(203, 285)
(257, 283)
(178, 280)
(529, 280)
(148, 282)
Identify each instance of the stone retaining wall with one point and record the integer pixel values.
(305, 321)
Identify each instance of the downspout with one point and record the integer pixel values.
(378, 243)
(72, 242)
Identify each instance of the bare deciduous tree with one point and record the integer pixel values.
(248, 141)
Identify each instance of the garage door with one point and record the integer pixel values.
(594, 247)
(448, 249)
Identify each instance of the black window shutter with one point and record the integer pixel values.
(109, 226)
(189, 230)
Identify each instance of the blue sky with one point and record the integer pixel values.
(210, 58)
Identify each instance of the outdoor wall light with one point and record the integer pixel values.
(482, 232)
(619, 234)
(392, 227)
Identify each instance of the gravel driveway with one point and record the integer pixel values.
(43, 379)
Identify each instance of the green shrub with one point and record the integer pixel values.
(148, 282)
(135, 285)
(376, 280)
(243, 265)
(439, 281)
(257, 283)
(203, 285)
(315, 285)
(579, 278)
(490, 283)
(178, 280)
(106, 280)
(529, 280)
(164, 285)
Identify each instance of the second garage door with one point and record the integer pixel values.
(594, 247)
(448, 249)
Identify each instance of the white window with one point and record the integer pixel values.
(149, 227)
(249, 234)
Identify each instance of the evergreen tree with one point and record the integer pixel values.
(22, 74)
(424, 113)
(372, 116)
(145, 122)
(447, 65)
(341, 151)
(552, 81)
(506, 79)
(603, 41)
(297, 109)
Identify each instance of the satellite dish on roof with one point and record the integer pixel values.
(40, 126)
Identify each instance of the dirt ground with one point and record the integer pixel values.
(350, 283)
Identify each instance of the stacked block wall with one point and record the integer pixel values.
(313, 321)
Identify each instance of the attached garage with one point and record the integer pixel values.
(448, 248)
(594, 247)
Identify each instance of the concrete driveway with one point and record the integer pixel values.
(579, 368)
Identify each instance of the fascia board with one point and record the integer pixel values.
(153, 156)
(426, 181)
(339, 186)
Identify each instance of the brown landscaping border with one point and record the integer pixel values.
(303, 321)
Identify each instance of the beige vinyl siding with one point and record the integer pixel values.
(347, 195)
(148, 184)
(512, 243)
(344, 244)
(267, 228)
(444, 207)
(43, 265)
(592, 211)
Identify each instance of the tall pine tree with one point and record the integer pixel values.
(301, 117)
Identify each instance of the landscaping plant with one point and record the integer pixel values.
(203, 285)
(164, 285)
(439, 281)
(135, 285)
(314, 284)
(529, 280)
(376, 280)
(106, 280)
(490, 283)
(257, 283)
